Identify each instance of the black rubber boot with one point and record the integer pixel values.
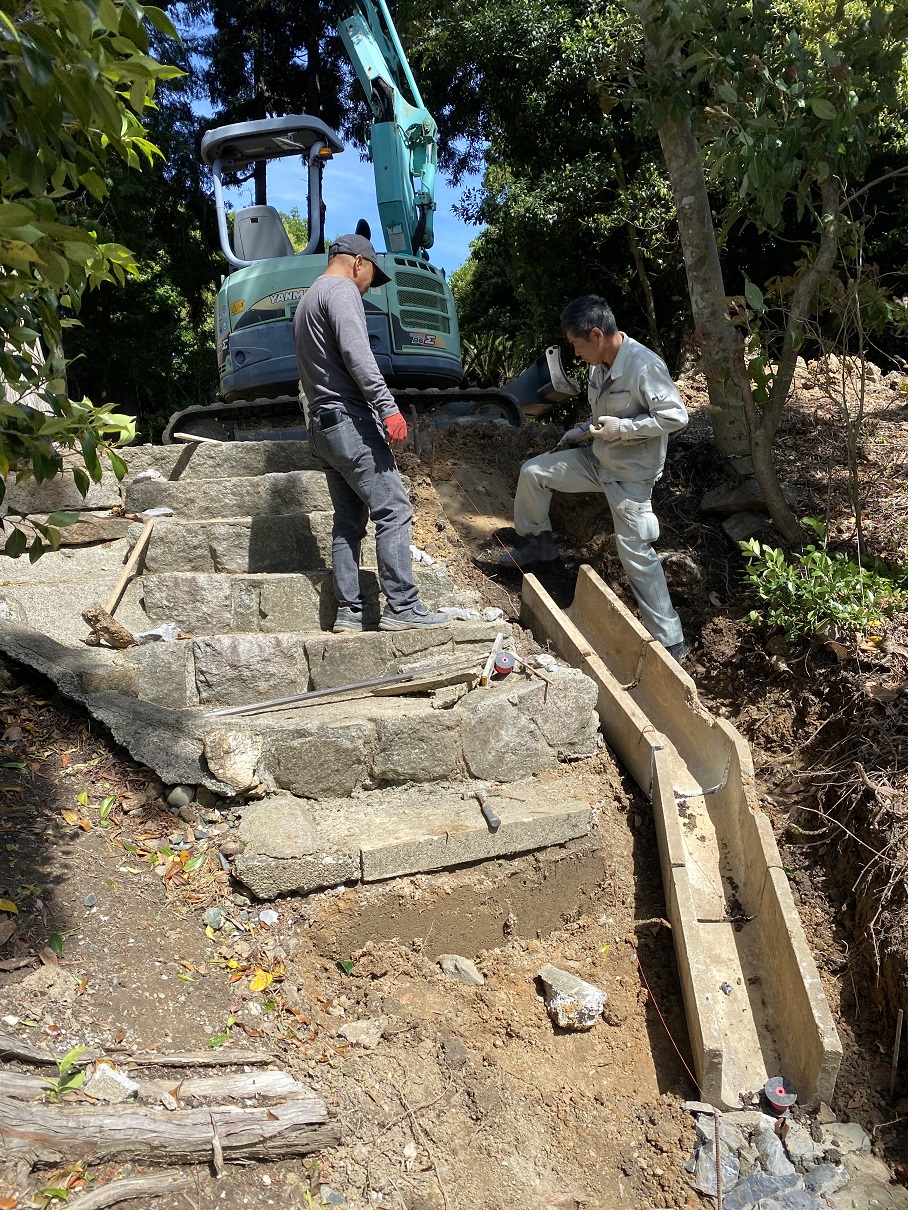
(531, 550)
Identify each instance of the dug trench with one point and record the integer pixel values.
(471, 1096)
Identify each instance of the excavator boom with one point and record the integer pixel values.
(403, 136)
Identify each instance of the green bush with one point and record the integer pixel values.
(817, 592)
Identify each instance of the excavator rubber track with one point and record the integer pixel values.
(282, 418)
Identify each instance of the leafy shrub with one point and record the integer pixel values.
(817, 592)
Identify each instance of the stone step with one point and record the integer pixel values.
(279, 543)
(293, 846)
(505, 732)
(215, 671)
(252, 496)
(226, 460)
(208, 603)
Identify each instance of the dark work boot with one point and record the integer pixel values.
(533, 549)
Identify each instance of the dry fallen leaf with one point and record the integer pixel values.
(13, 964)
(260, 980)
(47, 956)
(8, 1203)
(880, 691)
(839, 650)
(7, 928)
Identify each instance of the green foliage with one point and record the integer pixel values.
(818, 592)
(75, 81)
(68, 1077)
(492, 359)
(296, 227)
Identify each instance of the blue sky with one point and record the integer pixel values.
(349, 191)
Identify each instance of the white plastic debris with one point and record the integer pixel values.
(162, 510)
(420, 556)
(269, 916)
(543, 660)
(165, 633)
(491, 615)
(460, 615)
(571, 1002)
(151, 473)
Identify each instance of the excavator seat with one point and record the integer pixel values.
(258, 234)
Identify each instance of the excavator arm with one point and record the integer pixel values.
(403, 136)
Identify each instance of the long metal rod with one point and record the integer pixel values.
(313, 694)
(895, 1054)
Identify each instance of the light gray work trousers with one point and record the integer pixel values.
(636, 526)
(364, 482)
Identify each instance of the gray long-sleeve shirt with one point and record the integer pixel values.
(639, 390)
(336, 364)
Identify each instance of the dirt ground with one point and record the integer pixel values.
(472, 1097)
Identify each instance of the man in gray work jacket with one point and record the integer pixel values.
(352, 420)
(620, 451)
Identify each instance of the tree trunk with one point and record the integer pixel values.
(713, 332)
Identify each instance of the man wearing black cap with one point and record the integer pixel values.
(353, 421)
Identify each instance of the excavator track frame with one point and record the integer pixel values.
(282, 418)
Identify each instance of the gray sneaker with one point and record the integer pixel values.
(417, 617)
(534, 548)
(348, 620)
(678, 651)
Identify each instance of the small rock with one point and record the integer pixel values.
(741, 526)
(205, 798)
(845, 1137)
(571, 1002)
(802, 1150)
(232, 846)
(201, 833)
(181, 796)
(826, 1178)
(754, 1187)
(108, 1083)
(775, 1161)
(697, 1107)
(364, 1033)
(90, 900)
(330, 1197)
(462, 969)
(825, 1116)
(705, 1169)
(188, 812)
(215, 917)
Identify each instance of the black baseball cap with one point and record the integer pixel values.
(358, 245)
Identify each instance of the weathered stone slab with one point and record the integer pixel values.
(230, 458)
(268, 494)
(320, 759)
(165, 673)
(284, 853)
(60, 494)
(208, 603)
(502, 741)
(233, 756)
(564, 710)
(299, 542)
(421, 748)
(237, 669)
(418, 830)
(350, 659)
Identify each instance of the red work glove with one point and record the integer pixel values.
(397, 428)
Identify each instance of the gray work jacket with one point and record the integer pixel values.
(639, 390)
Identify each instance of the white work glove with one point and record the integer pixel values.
(573, 437)
(607, 428)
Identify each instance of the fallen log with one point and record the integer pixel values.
(132, 1187)
(12, 1047)
(263, 1085)
(49, 1135)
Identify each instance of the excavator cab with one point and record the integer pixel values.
(412, 321)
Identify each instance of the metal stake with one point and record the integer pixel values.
(895, 1054)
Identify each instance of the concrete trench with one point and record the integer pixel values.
(754, 1003)
(364, 791)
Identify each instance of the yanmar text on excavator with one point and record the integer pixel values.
(412, 320)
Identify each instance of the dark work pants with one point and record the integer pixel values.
(364, 483)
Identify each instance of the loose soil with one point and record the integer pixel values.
(472, 1097)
